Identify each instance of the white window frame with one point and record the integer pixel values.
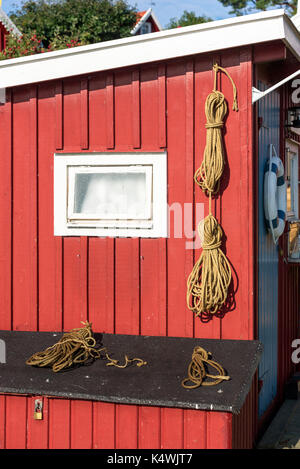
(69, 223)
(292, 177)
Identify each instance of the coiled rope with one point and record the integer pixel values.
(75, 347)
(208, 175)
(208, 283)
(210, 278)
(197, 370)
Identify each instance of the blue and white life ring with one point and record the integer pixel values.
(275, 195)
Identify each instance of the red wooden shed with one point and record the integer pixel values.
(128, 101)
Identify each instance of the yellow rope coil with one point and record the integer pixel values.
(197, 372)
(76, 346)
(209, 174)
(210, 278)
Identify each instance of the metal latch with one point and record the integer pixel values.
(38, 409)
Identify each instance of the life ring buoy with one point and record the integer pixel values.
(275, 202)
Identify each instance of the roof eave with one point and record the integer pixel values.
(191, 40)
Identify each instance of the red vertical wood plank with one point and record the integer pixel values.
(162, 117)
(2, 422)
(50, 246)
(103, 425)
(37, 430)
(16, 422)
(101, 284)
(150, 109)
(219, 430)
(136, 109)
(179, 324)
(153, 287)
(149, 427)
(97, 113)
(195, 429)
(6, 212)
(189, 172)
(59, 115)
(239, 324)
(172, 435)
(72, 114)
(127, 316)
(127, 434)
(123, 111)
(110, 112)
(59, 423)
(84, 113)
(81, 425)
(25, 210)
(75, 282)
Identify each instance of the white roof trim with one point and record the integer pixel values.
(156, 21)
(7, 22)
(179, 42)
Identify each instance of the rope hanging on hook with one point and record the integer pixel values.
(208, 283)
(210, 172)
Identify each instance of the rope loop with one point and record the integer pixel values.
(216, 69)
(197, 370)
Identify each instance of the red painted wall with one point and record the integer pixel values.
(131, 286)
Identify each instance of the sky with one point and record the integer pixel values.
(164, 9)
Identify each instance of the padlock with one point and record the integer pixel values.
(38, 409)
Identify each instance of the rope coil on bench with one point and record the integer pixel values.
(197, 372)
(75, 347)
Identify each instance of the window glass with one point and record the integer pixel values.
(111, 195)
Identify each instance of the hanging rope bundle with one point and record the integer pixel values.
(208, 283)
(209, 174)
(210, 278)
(197, 370)
(75, 347)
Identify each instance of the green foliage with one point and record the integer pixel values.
(88, 21)
(188, 18)
(240, 7)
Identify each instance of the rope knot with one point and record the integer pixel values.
(214, 125)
